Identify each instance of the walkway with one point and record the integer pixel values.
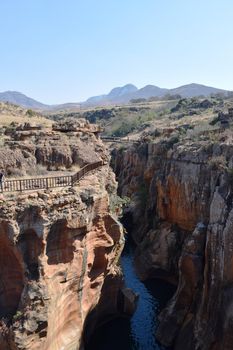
(117, 139)
(49, 182)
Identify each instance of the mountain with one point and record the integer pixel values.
(148, 91)
(128, 92)
(192, 90)
(115, 95)
(119, 92)
(125, 93)
(118, 95)
(22, 100)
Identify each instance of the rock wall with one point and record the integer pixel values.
(59, 254)
(37, 151)
(59, 248)
(181, 212)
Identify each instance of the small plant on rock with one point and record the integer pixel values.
(218, 162)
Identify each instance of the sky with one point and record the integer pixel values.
(60, 51)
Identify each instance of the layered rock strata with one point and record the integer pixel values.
(35, 151)
(182, 213)
(59, 248)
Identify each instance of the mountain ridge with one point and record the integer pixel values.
(20, 99)
(118, 95)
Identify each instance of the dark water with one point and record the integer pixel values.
(139, 332)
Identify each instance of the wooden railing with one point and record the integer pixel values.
(48, 182)
(86, 169)
(116, 139)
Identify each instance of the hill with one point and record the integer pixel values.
(118, 95)
(194, 90)
(129, 92)
(10, 113)
(20, 99)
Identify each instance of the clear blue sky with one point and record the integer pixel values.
(67, 50)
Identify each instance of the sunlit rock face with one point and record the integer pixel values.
(58, 263)
(73, 144)
(181, 211)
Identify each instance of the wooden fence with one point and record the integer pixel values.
(116, 139)
(48, 182)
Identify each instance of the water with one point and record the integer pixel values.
(139, 332)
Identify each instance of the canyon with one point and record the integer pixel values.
(61, 277)
(181, 221)
(59, 247)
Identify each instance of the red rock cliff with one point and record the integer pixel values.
(181, 214)
(59, 251)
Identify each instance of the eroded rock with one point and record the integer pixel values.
(181, 219)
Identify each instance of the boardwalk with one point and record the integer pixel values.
(49, 182)
(117, 139)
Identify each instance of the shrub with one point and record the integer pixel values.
(137, 100)
(30, 113)
(18, 315)
(218, 162)
(117, 204)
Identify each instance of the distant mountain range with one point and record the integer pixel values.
(128, 92)
(118, 95)
(20, 99)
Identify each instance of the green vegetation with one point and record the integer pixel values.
(138, 100)
(122, 120)
(167, 97)
(18, 315)
(117, 204)
(30, 113)
(188, 117)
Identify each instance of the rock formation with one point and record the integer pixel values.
(59, 252)
(181, 213)
(66, 146)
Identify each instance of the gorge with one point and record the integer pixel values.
(61, 280)
(181, 212)
(59, 246)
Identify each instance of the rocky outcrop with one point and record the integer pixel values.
(59, 248)
(66, 146)
(181, 214)
(58, 252)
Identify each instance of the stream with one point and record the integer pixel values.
(137, 333)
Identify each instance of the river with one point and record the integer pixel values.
(138, 333)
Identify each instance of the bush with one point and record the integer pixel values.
(30, 113)
(137, 100)
(117, 204)
(18, 315)
(218, 162)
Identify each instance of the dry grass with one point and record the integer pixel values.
(14, 114)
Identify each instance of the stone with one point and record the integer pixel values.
(59, 256)
(181, 216)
